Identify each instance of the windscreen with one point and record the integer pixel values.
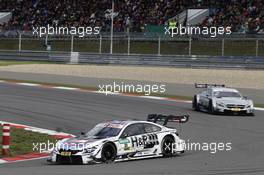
(104, 130)
(221, 94)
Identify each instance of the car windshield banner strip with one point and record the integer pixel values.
(199, 85)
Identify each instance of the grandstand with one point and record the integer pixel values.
(244, 16)
(138, 27)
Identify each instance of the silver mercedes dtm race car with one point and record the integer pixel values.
(122, 140)
(219, 99)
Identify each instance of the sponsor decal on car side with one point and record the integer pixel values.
(144, 140)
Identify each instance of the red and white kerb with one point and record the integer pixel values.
(6, 139)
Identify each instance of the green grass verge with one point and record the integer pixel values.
(9, 62)
(21, 141)
(259, 105)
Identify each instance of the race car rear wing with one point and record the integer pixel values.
(167, 118)
(199, 85)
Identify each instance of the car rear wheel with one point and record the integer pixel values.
(167, 146)
(108, 154)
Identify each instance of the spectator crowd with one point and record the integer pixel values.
(133, 15)
(243, 16)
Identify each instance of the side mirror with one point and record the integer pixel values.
(82, 133)
(245, 97)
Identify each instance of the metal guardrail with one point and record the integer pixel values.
(133, 45)
(146, 60)
(176, 61)
(35, 56)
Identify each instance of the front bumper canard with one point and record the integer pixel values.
(68, 158)
(234, 110)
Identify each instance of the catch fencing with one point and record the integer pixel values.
(238, 51)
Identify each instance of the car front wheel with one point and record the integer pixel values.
(195, 104)
(251, 114)
(211, 107)
(108, 154)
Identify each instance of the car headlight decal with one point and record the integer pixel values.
(249, 106)
(90, 150)
(220, 104)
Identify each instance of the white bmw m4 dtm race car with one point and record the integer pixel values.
(219, 99)
(122, 140)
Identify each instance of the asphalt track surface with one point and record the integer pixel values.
(171, 88)
(73, 112)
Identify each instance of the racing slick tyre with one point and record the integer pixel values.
(167, 146)
(251, 114)
(195, 105)
(211, 107)
(108, 154)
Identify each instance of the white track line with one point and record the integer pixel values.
(39, 130)
(66, 88)
(259, 109)
(3, 161)
(112, 93)
(24, 160)
(29, 84)
(152, 97)
(106, 93)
